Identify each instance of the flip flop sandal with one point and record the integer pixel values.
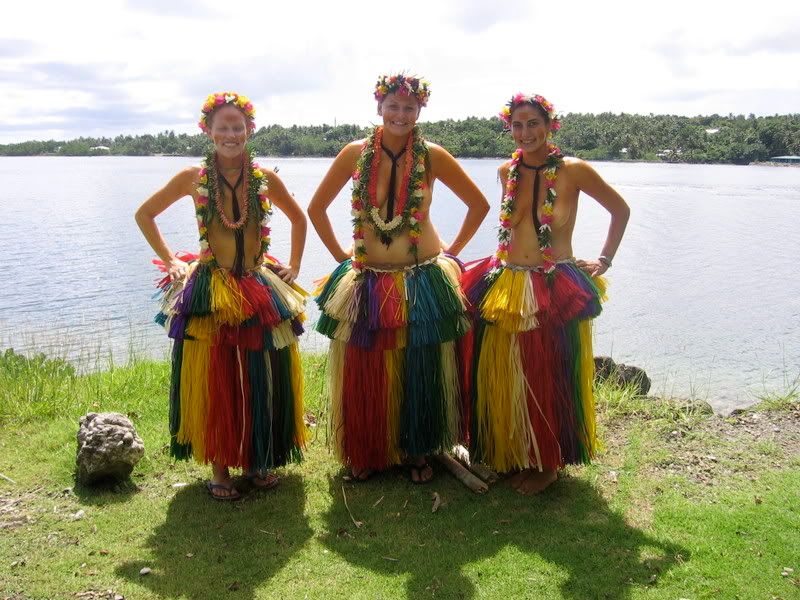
(233, 493)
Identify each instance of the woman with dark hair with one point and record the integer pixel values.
(532, 403)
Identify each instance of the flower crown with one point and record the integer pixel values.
(214, 101)
(403, 85)
(519, 99)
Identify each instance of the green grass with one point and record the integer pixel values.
(620, 528)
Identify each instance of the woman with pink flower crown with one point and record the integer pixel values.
(393, 308)
(234, 313)
(532, 404)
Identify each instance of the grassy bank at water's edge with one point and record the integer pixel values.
(679, 504)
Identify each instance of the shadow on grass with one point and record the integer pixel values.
(105, 492)
(207, 549)
(566, 541)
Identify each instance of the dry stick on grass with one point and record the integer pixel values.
(8, 479)
(356, 523)
(462, 474)
(483, 472)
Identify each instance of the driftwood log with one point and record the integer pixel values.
(463, 474)
(483, 472)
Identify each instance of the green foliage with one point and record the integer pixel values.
(607, 136)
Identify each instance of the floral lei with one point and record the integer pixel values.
(519, 99)
(412, 191)
(208, 203)
(218, 99)
(402, 85)
(554, 160)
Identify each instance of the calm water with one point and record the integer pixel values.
(704, 291)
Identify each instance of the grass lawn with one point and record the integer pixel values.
(679, 504)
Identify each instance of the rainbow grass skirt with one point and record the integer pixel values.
(398, 363)
(236, 392)
(532, 402)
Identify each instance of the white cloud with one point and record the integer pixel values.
(316, 61)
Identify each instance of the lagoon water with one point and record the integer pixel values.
(704, 293)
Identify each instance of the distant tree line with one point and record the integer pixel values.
(605, 136)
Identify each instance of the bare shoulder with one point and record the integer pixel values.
(187, 179)
(270, 175)
(435, 150)
(439, 157)
(576, 169)
(502, 170)
(351, 152)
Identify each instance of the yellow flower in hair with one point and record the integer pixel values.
(242, 100)
(258, 173)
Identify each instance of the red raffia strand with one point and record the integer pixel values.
(365, 405)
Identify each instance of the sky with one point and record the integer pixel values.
(111, 67)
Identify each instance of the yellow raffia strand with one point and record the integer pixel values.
(283, 335)
(602, 287)
(586, 376)
(194, 396)
(300, 431)
(502, 304)
(400, 286)
(342, 305)
(292, 295)
(336, 356)
(530, 307)
(321, 283)
(393, 362)
(201, 328)
(504, 430)
(226, 298)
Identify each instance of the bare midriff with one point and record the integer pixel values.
(397, 254)
(223, 244)
(524, 249)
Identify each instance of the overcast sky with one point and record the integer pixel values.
(114, 66)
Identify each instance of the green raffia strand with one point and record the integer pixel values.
(177, 450)
(200, 304)
(259, 400)
(581, 434)
(285, 449)
(423, 415)
(475, 449)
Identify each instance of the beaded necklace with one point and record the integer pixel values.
(406, 214)
(208, 204)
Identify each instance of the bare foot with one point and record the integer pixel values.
(263, 480)
(530, 481)
(420, 471)
(361, 474)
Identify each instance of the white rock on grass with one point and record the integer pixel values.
(108, 447)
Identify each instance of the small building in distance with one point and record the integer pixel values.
(789, 160)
